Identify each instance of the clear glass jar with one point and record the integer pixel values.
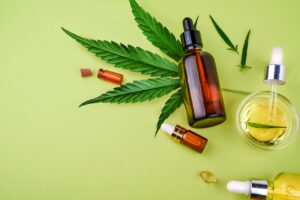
(253, 112)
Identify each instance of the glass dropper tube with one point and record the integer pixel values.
(274, 77)
(273, 101)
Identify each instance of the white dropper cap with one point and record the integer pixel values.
(239, 187)
(167, 128)
(254, 189)
(276, 56)
(275, 71)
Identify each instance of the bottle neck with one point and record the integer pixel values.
(179, 132)
(193, 48)
(270, 190)
(259, 190)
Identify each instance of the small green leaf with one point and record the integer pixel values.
(156, 33)
(196, 22)
(244, 53)
(128, 57)
(224, 36)
(137, 91)
(170, 106)
(258, 125)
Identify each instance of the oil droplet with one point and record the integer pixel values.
(208, 177)
(290, 189)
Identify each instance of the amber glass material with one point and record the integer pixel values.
(190, 138)
(110, 76)
(201, 89)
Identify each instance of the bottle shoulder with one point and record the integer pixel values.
(203, 54)
(207, 55)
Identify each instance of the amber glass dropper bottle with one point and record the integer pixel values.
(186, 137)
(199, 81)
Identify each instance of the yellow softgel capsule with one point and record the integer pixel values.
(208, 177)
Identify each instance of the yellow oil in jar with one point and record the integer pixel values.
(259, 113)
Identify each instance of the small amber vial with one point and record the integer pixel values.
(110, 76)
(186, 137)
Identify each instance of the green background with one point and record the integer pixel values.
(52, 150)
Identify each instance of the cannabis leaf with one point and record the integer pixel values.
(224, 36)
(258, 125)
(128, 57)
(170, 106)
(137, 91)
(176, 100)
(145, 62)
(244, 53)
(156, 33)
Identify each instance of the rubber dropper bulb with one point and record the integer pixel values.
(239, 187)
(190, 36)
(277, 56)
(167, 128)
(188, 24)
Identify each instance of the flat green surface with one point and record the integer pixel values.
(52, 150)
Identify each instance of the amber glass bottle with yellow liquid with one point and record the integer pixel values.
(267, 119)
(285, 186)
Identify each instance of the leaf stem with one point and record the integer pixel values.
(236, 91)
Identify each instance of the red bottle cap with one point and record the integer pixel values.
(110, 76)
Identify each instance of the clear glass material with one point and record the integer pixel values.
(286, 186)
(255, 109)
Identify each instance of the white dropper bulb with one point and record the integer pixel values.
(277, 56)
(167, 128)
(239, 187)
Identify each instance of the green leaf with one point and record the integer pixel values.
(170, 106)
(223, 35)
(128, 57)
(137, 91)
(244, 53)
(156, 33)
(236, 91)
(196, 22)
(258, 125)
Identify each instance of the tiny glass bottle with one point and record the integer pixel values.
(186, 137)
(110, 76)
(285, 186)
(199, 81)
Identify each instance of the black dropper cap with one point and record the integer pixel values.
(191, 36)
